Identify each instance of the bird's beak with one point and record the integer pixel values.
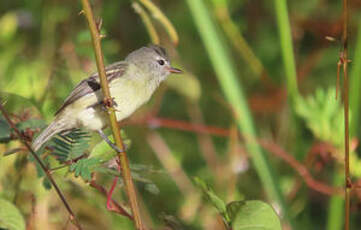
(174, 70)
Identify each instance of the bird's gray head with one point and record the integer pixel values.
(152, 59)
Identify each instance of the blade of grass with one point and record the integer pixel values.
(355, 86)
(227, 77)
(336, 204)
(286, 47)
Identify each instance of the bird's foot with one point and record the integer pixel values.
(105, 104)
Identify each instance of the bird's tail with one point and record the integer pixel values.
(55, 127)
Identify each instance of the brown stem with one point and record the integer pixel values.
(129, 186)
(117, 208)
(43, 167)
(344, 60)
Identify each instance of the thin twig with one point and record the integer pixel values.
(43, 167)
(129, 186)
(300, 169)
(117, 208)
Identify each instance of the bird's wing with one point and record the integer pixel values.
(92, 83)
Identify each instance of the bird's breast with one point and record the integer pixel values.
(129, 95)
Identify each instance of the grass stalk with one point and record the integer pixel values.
(355, 86)
(287, 47)
(124, 164)
(344, 62)
(227, 77)
(336, 204)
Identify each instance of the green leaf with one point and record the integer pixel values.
(10, 216)
(323, 115)
(4, 131)
(85, 167)
(31, 124)
(233, 208)
(255, 215)
(217, 202)
(46, 183)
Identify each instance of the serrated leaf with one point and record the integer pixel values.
(256, 215)
(323, 115)
(10, 216)
(85, 167)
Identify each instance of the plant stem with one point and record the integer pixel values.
(344, 60)
(158, 14)
(355, 86)
(43, 167)
(124, 164)
(287, 47)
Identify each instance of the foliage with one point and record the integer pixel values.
(245, 81)
(248, 215)
(10, 216)
(323, 115)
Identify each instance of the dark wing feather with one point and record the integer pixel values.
(92, 83)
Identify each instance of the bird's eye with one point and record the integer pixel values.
(161, 62)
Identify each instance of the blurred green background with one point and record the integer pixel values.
(254, 110)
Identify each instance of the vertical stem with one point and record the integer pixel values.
(284, 29)
(344, 61)
(124, 164)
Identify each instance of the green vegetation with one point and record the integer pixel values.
(249, 137)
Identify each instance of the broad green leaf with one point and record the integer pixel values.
(10, 216)
(256, 215)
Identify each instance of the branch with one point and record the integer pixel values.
(124, 164)
(300, 169)
(43, 167)
(117, 208)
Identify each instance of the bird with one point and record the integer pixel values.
(131, 83)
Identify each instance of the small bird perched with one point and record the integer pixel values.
(131, 84)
